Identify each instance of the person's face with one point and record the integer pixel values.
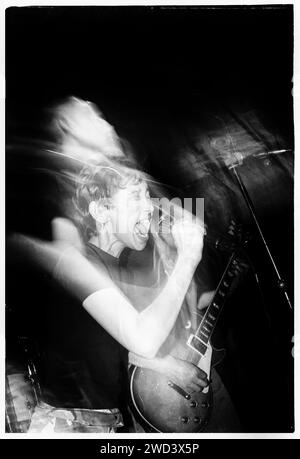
(130, 215)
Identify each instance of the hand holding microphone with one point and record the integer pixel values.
(188, 236)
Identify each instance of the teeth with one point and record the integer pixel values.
(142, 227)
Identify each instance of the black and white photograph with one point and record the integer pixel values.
(149, 221)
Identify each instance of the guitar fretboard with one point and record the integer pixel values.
(198, 341)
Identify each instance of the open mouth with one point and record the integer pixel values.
(142, 227)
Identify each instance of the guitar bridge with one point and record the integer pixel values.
(179, 390)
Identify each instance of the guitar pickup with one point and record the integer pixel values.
(196, 344)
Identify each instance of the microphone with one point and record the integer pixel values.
(273, 152)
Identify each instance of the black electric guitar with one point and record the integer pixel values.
(161, 405)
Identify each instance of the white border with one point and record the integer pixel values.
(5, 4)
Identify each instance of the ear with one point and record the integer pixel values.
(99, 212)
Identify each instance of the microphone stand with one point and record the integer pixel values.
(280, 282)
(237, 161)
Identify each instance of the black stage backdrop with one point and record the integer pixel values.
(173, 81)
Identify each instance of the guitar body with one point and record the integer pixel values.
(161, 405)
(161, 408)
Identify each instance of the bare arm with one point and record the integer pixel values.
(142, 333)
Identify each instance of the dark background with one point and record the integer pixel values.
(160, 75)
(149, 60)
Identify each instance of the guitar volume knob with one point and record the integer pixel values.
(185, 419)
(193, 404)
(197, 420)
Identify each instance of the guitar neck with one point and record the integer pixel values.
(199, 340)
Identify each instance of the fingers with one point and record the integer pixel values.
(188, 238)
(201, 374)
(187, 376)
(193, 387)
(205, 299)
(199, 382)
(197, 385)
(202, 382)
